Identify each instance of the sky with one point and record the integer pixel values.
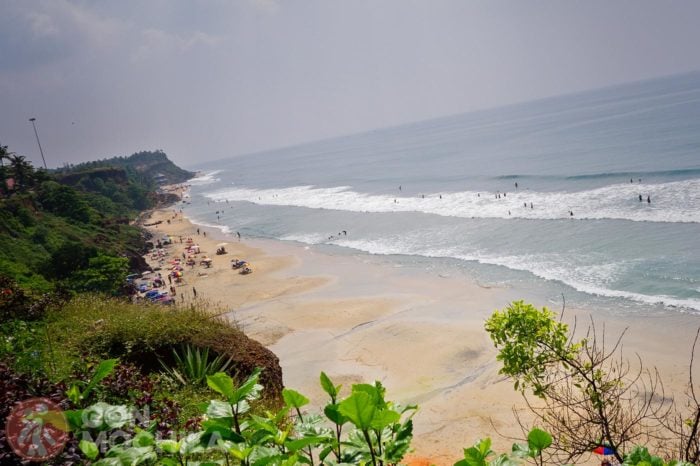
(209, 79)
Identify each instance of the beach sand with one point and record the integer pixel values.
(421, 335)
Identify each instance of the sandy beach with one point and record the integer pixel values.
(420, 334)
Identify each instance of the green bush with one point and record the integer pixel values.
(112, 327)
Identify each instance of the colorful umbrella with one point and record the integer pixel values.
(603, 450)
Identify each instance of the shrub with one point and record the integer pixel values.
(143, 333)
(193, 365)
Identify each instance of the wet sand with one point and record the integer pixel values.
(420, 334)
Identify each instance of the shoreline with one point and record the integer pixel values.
(419, 334)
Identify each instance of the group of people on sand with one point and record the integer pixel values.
(242, 266)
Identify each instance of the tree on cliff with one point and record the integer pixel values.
(586, 393)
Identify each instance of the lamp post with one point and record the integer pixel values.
(39, 143)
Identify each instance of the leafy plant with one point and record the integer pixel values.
(193, 365)
(481, 454)
(233, 433)
(587, 394)
(78, 395)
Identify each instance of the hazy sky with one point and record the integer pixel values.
(207, 79)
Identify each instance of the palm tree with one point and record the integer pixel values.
(4, 171)
(22, 170)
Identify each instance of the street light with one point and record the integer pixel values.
(39, 143)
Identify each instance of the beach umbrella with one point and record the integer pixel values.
(603, 450)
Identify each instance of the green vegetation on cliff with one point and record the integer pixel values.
(70, 228)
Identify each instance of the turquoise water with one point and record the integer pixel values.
(442, 194)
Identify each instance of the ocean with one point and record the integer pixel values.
(593, 196)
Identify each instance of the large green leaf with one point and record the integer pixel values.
(222, 383)
(74, 394)
(137, 455)
(219, 409)
(383, 418)
(169, 446)
(359, 408)
(192, 443)
(105, 368)
(329, 387)
(116, 416)
(478, 454)
(75, 419)
(333, 413)
(143, 439)
(293, 398)
(89, 449)
(298, 444)
(247, 388)
(538, 440)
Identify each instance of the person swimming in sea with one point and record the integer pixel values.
(648, 199)
(640, 198)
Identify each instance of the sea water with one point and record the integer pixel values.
(442, 195)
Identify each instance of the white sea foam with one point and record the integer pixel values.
(310, 238)
(592, 279)
(677, 202)
(205, 178)
(223, 228)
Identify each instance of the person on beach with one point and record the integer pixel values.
(197, 230)
(205, 234)
(194, 291)
(170, 280)
(239, 235)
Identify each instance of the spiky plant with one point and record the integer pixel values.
(193, 365)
